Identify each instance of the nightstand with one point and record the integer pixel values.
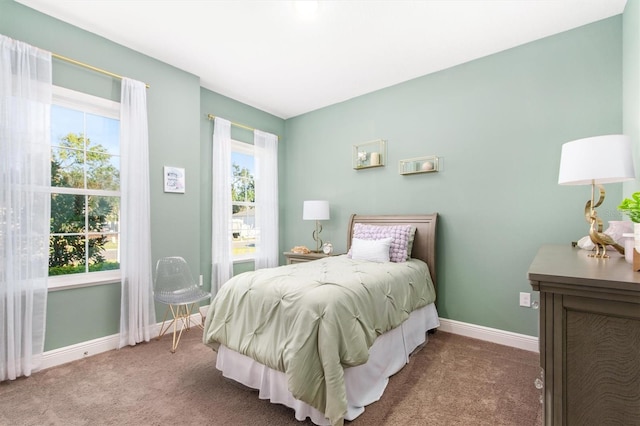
(303, 257)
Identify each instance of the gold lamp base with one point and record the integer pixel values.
(316, 236)
(598, 238)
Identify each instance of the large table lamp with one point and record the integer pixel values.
(595, 161)
(316, 210)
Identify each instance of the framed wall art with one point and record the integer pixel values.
(174, 179)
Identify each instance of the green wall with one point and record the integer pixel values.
(498, 123)
(173, 106)
(631, 84)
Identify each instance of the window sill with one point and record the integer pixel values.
(244, 260)
(66, 282)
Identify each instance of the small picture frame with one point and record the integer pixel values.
(174, 179)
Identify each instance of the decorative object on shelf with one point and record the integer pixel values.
(316, 210)
(174, 179)
(370, 154)
(426, 164)
(327, 248)
(596, 161)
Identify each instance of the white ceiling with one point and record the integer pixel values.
(264, 54)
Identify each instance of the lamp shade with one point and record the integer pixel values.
(596, 160)
(315, 210)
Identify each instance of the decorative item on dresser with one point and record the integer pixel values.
(631, 207)
(589, 337)
(595, 161)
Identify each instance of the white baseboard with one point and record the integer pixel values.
(80, 350)
(92, 347)
(507, 338)
(108, 343)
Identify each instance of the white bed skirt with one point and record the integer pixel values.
(364, 383)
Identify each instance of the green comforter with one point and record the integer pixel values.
(309, 320)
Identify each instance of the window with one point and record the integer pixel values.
(85, 189)
(243, 199)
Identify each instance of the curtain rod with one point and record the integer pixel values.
(91, 67)
(242, 126)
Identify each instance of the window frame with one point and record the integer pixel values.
(86, 103)
(247, 149)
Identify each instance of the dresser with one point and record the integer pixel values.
(589, 337)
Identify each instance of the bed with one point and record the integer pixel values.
(323, 337)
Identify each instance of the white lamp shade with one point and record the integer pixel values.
(596, 160)
(315, 210)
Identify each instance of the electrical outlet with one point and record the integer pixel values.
(525, 299)
(200, 281)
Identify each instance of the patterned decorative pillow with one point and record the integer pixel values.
(400, 234)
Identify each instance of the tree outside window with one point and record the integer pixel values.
(243, 196)
(85, 193)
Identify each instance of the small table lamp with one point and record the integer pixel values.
(595, 161)
(316, 210)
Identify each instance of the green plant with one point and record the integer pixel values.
(631, 206)
(78, 269)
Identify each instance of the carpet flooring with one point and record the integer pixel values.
(453, 380)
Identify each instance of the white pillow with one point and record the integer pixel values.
(371, 250)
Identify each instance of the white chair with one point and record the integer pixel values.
(174, 286)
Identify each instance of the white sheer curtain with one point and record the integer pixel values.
(221, 205)
(266, 181)
(25, 203)
(137, 312)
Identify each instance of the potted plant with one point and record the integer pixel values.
(631, 206)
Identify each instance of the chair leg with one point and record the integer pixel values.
(180, 313)
(185, 315)
(176, 315)
(164, 320)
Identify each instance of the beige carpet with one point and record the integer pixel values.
(452, 381)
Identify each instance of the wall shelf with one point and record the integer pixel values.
(369, 154)
(411, 166)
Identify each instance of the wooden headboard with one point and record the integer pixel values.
(424, 243)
